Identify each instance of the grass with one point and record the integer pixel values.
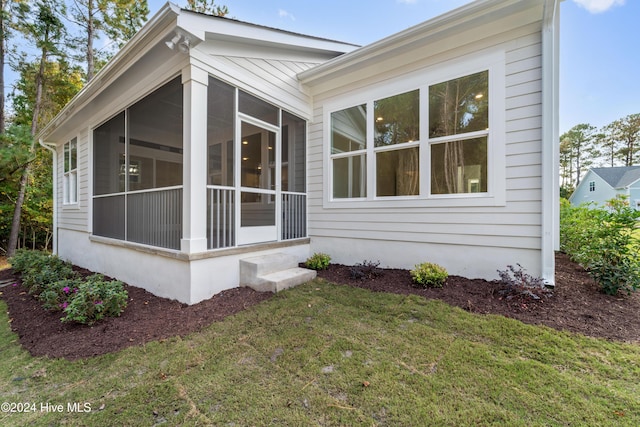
(322, 354)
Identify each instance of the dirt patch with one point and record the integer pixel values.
(575, 305)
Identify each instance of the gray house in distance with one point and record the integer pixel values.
(602, 184)
(209, 143)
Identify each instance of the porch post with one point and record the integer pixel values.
(194, 171)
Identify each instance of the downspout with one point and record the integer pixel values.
(51, 148)
(550, 140)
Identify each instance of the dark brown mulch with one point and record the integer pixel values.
(576, 306)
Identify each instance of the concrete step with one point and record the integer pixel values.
(273, 273)
(289, 278)
(265, 264)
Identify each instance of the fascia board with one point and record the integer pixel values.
(207, 27)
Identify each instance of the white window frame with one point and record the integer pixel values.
(491, 61)
(70, 175)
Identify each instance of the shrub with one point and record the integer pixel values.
(318, 261)
(602, 240)
(522, 282)
(57, 295)
(429, 274)
(366, 270)
(39, 269)
(96, 298)
(23, 259)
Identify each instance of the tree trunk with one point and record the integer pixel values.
(2, 44)
(24, 179)
(90, 36)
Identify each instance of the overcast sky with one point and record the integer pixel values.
(600, 52)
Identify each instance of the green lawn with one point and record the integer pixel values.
(322, 354)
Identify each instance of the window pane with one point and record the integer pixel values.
(294, 137)
(108, 156)
(257, 108)
(349, 177)
(349, 129)
(459, 106)
(155, 138)
(108, 216)
(397, 119)
(257, 210)
(398, 172)
(258, 157)
(459, 167)
(73, 154)
(66, 157)
(220, 114)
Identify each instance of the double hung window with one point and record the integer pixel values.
(70, 177)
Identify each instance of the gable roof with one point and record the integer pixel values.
(618, 177)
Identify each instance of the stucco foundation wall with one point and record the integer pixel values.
(162, 276)
(467, 261)
(188, 281)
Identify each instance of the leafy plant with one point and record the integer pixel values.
(57, 295)
(517, 280)
(366, 270)
(318, 261)
(95, 299)
(602, 240)
(429, 274)
(39, 269)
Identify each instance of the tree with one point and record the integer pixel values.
(119, 20)
(207, 6)
(626, 133)
(44, 28)
(577, 151)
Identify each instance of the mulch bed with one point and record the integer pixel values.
(575, 305)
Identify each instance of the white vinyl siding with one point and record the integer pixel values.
(514, 223)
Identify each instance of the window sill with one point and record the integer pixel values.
(444, 201)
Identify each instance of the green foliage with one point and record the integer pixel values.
(39, 269)
(429, 274)
(207, 6)
(95, 299)
(318, 261)
(56, 295)
(602, 240)
(58, 287)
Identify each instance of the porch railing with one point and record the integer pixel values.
(294, 215)
(154, 217)
(220, 217)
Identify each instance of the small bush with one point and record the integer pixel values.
(518, 281)
(318, 261)
(39, 269)
(428, 274)
(23, 259)
(96, 298)
(366, 270)
(57, 295)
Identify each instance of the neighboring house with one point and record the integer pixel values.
(602, 184)
(206, 141)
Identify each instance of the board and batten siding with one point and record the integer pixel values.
(461, 238)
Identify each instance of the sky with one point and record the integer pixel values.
(599, 42)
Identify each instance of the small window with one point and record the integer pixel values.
(70, 177)
(592, 186)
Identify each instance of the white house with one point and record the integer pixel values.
(602, 184)
(208, 141)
